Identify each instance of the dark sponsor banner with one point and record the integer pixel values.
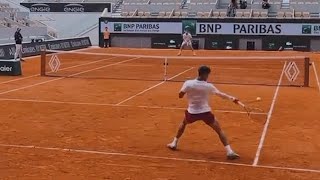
(165, 43)
(67, 7)
(10, 68)
(32, 49)
(221, 43)
(170, 43)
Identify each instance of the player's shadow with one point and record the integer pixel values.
(191, 154)
(217, 156)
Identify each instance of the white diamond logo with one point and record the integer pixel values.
(292, 71)
(54, 63)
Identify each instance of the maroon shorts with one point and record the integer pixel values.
(207, 117)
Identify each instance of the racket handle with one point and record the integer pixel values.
(241, 104)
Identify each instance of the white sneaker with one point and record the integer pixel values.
(232, 156)
(172, 146)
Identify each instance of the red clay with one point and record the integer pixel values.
(292, 138)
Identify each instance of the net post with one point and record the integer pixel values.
(43, 62)
(306, 71)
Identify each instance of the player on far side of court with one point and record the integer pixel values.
(198, 92)
(187, 42)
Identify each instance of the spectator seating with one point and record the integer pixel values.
(208, 8)
(12, 18)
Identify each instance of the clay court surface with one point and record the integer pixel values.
(100, 128)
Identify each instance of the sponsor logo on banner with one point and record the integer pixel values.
(10, 68)
(311, 29)
(117, 27)
(67, 7)
(32, 49)
(5, 69)
(140, 27)
(40, 8)
(257, 29)
(12, 50)
(2, 53)
(143, 27)
(204, 28)
(73, 8)
(306, 29)
(239, 28)
(316, 29)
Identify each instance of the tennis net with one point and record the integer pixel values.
(248, 70)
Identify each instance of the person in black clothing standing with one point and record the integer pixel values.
(18, 38)
(233, 6)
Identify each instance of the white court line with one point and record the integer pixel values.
(316, 74)
(82, 72)
(152, 87)
(19, 79)
(154, 157)
(266, 125)
(114, 105)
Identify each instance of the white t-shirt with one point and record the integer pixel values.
(198, 93)
(187, 37)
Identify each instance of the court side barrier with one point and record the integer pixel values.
(7, 51)
(10, 67)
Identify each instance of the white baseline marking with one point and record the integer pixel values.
(265, 128)
(82, 72)
(154, 157)
(114, 105)
(152, 87)
(316, 74)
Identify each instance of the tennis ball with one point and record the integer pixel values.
(258, 99)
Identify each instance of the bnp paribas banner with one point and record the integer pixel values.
(143, 27)
(199, 28)
(258, 29)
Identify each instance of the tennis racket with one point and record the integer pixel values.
(250, 110)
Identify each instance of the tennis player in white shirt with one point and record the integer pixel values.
(187, 42)
(198, 92)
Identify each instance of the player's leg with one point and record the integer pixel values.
(181, 47)
(214, 124)
(20, 53)
(194, 53)
(105, 43)
(173, 145)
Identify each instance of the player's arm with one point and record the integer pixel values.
(224, 95)
(183, 90)
(181, 94)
